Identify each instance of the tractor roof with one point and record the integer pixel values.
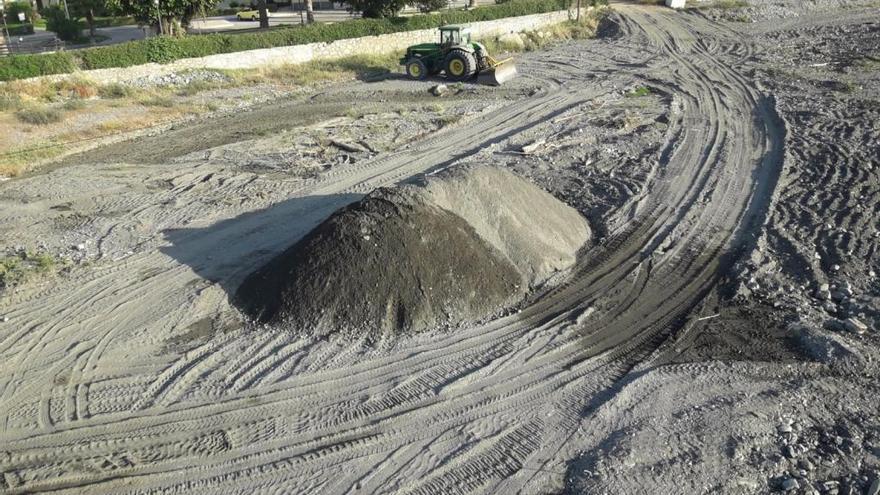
(452, 27)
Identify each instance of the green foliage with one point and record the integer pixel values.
(19, 29)
(377, 8)
(24, 66)
(158, 101)
(38, 115)
(25, 266)
(167, 49)
(9, 101)
(431, 5)
(74, 104)
(58, 23)
(114, 91)
(638, 92)
(146, 11)
(12, 10)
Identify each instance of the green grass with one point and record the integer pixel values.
(158, 101)
(361, 66)
(38, 115)
(639, 92)
(74, 104)
(115, 91)
(18, 160)
(26, 266)
(100, 22)
(9, 101)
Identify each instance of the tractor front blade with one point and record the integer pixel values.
(498, 75)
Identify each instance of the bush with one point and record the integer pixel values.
(38, 115)
(14, 8)
(431, 5)
(19, 29)
(114, 91)
(58, 23)
(164, 49)
(9, 101)
(24, 66)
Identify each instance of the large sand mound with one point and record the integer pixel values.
(459, 247)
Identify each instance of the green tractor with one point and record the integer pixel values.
(458, 57)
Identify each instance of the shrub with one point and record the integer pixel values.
(73, 105)
(58, 23)
(115, 90)
(158, 101)
(9, 101)
(38, 115)
(24, 66)
(76, 87)
(165, 49)
(19, 29)
(431, 5)
(14, 8)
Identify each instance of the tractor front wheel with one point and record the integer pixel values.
(416, 69)
(460, 65)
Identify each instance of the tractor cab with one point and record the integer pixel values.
(453, 35)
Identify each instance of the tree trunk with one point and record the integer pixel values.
(40, 6)
(264, 15)
(90, 20)
(310, 12)
(472, 4)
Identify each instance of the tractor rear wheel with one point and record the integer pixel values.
(460, 65)
(416, 69)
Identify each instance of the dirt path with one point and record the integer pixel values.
(94, 394)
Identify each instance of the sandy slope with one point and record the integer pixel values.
(137, 376)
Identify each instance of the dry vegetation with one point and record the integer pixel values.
(44, 111)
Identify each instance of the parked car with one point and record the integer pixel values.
(249, 15)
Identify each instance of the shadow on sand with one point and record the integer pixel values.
(227, 251)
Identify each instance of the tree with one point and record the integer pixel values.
(57, 22)
(174, 13)
(431, 5)
(376, 8)
(310, 12)
(264, 14)
(88, 9)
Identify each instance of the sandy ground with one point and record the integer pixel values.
(695, 347)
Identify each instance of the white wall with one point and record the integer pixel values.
(314, 51)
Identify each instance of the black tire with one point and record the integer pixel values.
(460, 65)
(416, 69)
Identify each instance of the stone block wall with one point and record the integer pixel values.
(372, 45)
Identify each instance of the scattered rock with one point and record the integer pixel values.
(855, 326)
(530, 148)
(874, 489)
(80, 247)
(790, 484)
(834, 325)
(439, 90)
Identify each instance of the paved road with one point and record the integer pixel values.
(42, 39)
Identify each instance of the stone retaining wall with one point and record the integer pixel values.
(268, 57)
